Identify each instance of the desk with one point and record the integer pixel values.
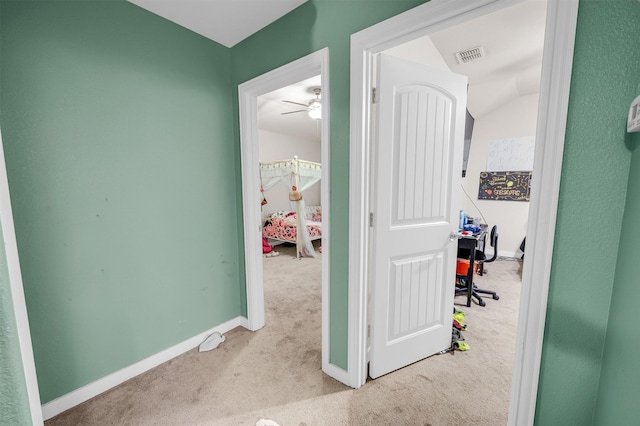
(471, 242)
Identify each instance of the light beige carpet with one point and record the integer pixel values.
(275, 373)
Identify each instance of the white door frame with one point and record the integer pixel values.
(248, 92)
(17, 294)
(550, 133)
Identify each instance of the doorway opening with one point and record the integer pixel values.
(556, 73)
(306, 69)
(290, 156)
(502, 102)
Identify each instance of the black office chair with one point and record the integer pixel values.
(493, 242)
(462, 280)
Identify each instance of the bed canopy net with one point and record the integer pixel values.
(298, 175)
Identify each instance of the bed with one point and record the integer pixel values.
(297, 175)
(282, 226)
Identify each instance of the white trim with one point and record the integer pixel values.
(552, 121)
(558, 56)
(335, 372)
(80, 395)
(502, 253)
(359, 169)
(17, 294)
(248, 92)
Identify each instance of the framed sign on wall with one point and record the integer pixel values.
(505, 186)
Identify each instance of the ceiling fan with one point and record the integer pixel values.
(313, 108)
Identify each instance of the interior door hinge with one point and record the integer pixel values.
(369, 330)
(371, 220)
(373, 95)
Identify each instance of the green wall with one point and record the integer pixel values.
(620, 376)
(592, 200)
(311, 27)
(119, 145)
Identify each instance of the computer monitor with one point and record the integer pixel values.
(468, 130)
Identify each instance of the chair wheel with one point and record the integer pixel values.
(496, 297)
(482, 303)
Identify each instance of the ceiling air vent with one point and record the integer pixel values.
(469, 55)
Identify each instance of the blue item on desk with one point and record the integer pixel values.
(472, 228)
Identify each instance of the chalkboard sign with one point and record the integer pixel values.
(506, 186)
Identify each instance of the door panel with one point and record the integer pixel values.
(411, 282)
(418, 159)
(417, 170)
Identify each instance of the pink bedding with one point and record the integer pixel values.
(282, 226)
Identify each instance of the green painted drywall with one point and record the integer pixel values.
(620, 377)
(593, 193)
(619, 385)
(119, 144)
(311, 27)
(14, 402)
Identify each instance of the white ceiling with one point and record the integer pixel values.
(227, 22)
(271, 109)
(512, 39)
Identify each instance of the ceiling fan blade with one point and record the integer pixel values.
(293, 112)
(297, 103)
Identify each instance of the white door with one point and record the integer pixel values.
(416, 173)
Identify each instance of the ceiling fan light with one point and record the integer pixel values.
(315, 109)
(315, 113)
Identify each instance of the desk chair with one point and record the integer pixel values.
(493, 242)
(462, 281)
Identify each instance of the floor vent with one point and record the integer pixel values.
(469, 55)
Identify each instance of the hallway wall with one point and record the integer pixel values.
(118, 136)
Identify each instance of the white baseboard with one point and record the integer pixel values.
(80, 395)
(337, 373)
(502, 253)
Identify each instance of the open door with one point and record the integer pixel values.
(416, 174)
